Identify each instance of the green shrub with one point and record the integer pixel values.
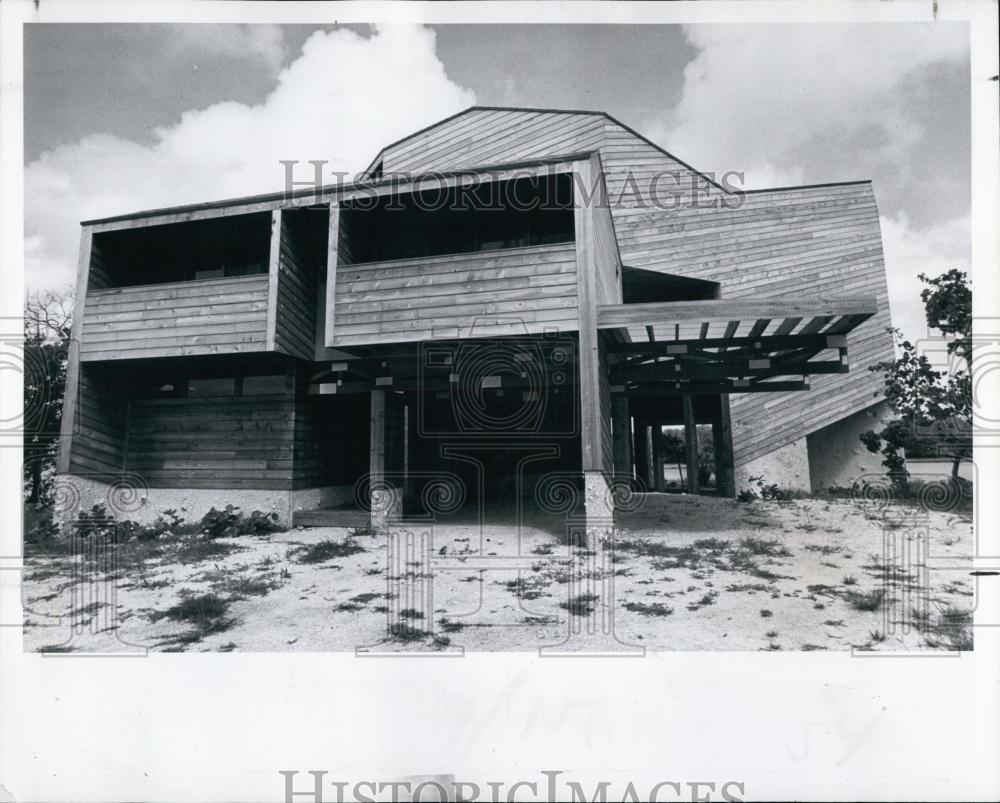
(230, 522)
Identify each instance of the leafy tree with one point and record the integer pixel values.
(931, 404)
(47, 325)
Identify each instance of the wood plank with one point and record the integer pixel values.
(690, 443)
(613, 316)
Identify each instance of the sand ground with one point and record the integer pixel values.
(683, 573)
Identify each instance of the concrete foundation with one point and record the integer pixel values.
(787, 467)
(837, 458)
(130, 499)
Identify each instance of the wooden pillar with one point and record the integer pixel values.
(622, 439)
(596, 465)
(650, 456)
(385, 498)
(691, 444)
(659, 482)
(72, 386)
(639, 453)
(723, 434)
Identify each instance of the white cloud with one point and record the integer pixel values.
(760, 95)
(238, 41)
(793, 104)
(341, 100)
(910, 252)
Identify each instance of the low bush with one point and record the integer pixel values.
(231, 522)
(769, 492)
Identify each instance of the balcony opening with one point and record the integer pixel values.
(492, 215)
(214, 248)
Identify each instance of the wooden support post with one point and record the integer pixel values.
(639, 454)
(725, 477)
(72, 388)
(659, 481)
(598, 504)
(691, 444)
(650, 458)
(273, 273)
(621, 432)
(327, 322)
(385, 499)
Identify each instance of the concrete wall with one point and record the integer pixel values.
(787, 467)
(837, 458)
(131, 500)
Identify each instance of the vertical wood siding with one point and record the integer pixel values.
(218, 316)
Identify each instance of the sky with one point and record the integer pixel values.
(120, 118)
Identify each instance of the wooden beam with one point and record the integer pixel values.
(816, 324)
(71, 394)
(677, 371)
(639, 455)
(763, 344)
(671, 312)
(673, 388)
(650, 457)
(787, 325)
(621, 434)
(328, 323)
(273, 268)
(690, 444)
(589, 369)
(315, 196)
(376, 446)
(722, 434)
(659, 483)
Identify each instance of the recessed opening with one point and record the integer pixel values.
(534, 210)
(640, 285)
(213, 248)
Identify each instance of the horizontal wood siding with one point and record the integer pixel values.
(489, 137)
(295, 328)
(790, 244)
(218, 316)
(224, 442)
(528, 290)
(98, 437)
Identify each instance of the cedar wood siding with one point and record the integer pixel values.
(210, 316)
(513, 291)
(97, 447)
(790, 243)
(225, 442)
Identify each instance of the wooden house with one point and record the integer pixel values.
(507, 300)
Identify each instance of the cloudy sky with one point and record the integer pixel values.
(126, 117)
